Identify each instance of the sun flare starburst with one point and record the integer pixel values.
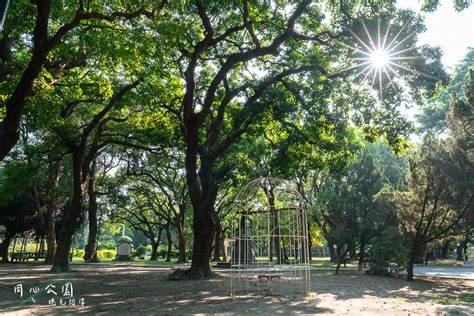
(379, 58)
(382, 56)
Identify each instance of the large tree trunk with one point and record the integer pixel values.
(217, 243)
(90, 251)
(296, 253)
(10, 125)
(50, 229)
(467, 239)
(412, 259)
(360, 264)
(181, 239)
(445, 250)
(203, 192)
(155, 244)
(203, 228)
(310, 246)
(61, 259)
(72, 218)
(4, 248)
(276, 237)
(275, 224)
(243, 252)
(223, 247)
(203, 224)
(170, 243)
(154, 251)
(203, 237)
(459, 248)
(411, 262)
(50, 237)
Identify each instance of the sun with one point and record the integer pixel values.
(379, 58)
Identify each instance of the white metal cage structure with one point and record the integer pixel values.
(269, 244)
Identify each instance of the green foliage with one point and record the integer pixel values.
(140, 251)
(388, 253)
(303, 126)
(101, 254)
(163, 250)
(454, 299)
(106, 254)
(78, 253)
(433, 111)
(344, 207)
(432, 5)
(107, 245)
(316, 235)
(124, 239)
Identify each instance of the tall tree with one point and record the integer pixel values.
(439, 197)
(165, 179)
(433, 113)
(224, 98)
(50, 29)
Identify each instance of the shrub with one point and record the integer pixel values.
(78, 253)
(388, 253)
(106, 254)
(162, 251)
(140, 251)
(109, 244)
(125, 239)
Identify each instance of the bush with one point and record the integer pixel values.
(109, 244)
(78, 253)
(140, 251)
(101, 254)
(125, 239)
(162, 251)
(106, 254)
(388, 253)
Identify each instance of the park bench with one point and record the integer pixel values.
(269, 278)
(26, 256)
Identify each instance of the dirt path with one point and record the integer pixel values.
(145, 290)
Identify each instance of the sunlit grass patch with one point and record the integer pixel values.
(453, 299)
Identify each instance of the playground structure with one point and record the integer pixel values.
(269, 244)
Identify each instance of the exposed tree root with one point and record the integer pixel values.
(60, 269)
(190, 274)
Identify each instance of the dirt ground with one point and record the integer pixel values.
(108, 289)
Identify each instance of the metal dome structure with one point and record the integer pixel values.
(269, 243)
